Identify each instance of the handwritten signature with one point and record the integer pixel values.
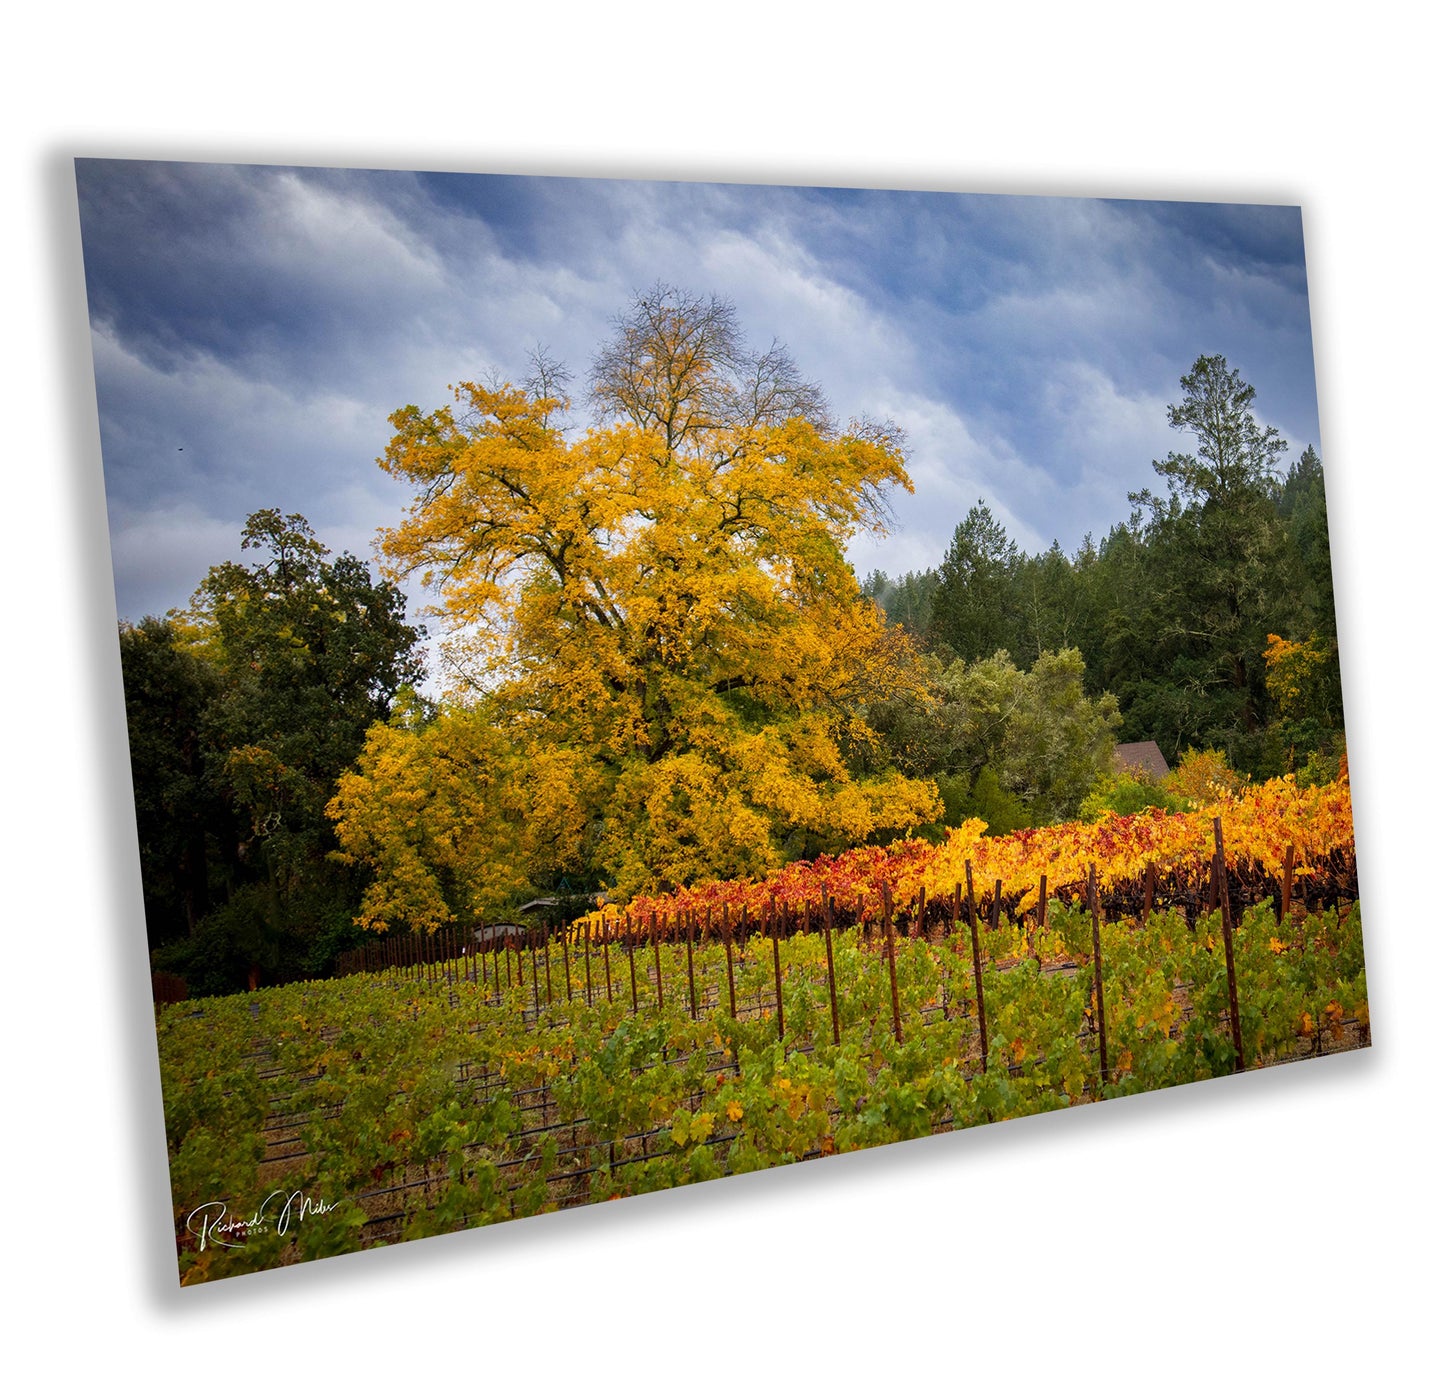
(214, 1222)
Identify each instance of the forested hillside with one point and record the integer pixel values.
(1208, 613)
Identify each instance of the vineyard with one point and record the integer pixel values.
(440, 1084)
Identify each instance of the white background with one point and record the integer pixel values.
(1276, 1233)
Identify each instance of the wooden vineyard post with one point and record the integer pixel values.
(997, 910)
(1098, 980)
(955, 912)
(536, 993)
(1286, 884)
(657, 959)
(728, 950)
(947, 944)
(892, 965)
(687, 931)
(977, 962)
(807, 918)
(828, 949)
(607, 959)
(587, 956)
(547, 965)
(566, 964)
(919, 925)
(1043, 920)
(1222, 880)
(1151, 874)
(777, 964)
(632, 961)
(708, 935)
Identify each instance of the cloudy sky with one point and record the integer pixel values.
(254, 326)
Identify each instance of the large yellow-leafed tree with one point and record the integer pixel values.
(653, 613)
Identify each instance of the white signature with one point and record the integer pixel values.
(214, 1222)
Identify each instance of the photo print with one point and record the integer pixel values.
(629, 683)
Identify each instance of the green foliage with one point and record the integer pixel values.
(182, 820)
(274, 932)
(1235, 453)
(312, 654)
(1026, 746)
(987, 799)
(386, 1087)
(1173, 608)
(1324, 764)
(906, 602)
(242, 715)
(1219, 560)
(973, 612)
(1127, 793)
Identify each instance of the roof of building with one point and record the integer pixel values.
(1145, 755)
(551, 901)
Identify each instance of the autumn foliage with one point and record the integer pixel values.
(651, 616)
(1260, 823)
